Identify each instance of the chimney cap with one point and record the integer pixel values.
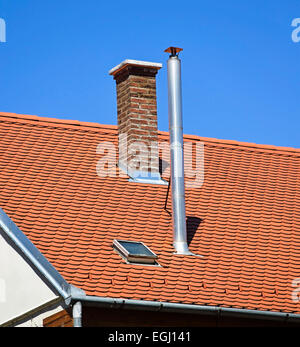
(173, 50)
(132, 62)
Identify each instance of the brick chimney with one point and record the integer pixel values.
(137, 119)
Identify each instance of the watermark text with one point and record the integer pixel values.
(2, 30)
(296, 291)
(296, 32)
(135, 158)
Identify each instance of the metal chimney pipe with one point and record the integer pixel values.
(176, 152)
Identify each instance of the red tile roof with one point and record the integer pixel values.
(244, 220)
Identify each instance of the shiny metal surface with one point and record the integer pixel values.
(176, 155)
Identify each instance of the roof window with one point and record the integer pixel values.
(135, 252)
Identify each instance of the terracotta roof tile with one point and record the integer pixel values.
(248, 208)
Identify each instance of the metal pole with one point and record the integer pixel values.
(176, 152)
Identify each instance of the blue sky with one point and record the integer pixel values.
(240, 66)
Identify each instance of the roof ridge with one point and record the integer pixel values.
(249, 145)
(57, 120)
(282, 149)
(113, 128)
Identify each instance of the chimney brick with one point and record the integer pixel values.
(137, 117)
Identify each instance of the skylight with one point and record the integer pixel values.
(135, 252)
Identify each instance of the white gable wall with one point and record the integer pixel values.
(21, 289)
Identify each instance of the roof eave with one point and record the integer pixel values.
(185, 308)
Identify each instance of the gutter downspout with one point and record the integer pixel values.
(77, 314)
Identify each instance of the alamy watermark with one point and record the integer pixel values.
(2, 30)
(134, 154)
(296, 32)
(296, 291)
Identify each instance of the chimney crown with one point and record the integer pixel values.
(138, 63)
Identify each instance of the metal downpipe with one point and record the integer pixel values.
(77, 314)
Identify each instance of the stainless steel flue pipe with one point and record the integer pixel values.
(176, 152)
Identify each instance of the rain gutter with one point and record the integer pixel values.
(184, 308)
